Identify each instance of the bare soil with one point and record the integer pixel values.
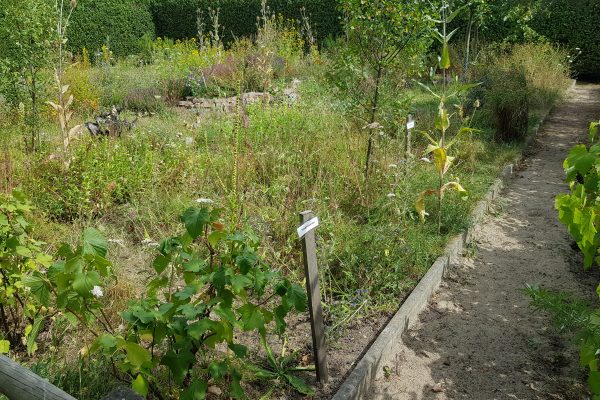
(479, 339)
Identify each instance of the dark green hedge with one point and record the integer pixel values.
(177, 18)
(120, 22)
(574, 24)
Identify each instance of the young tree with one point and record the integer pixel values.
(379, 31)
(25, 32)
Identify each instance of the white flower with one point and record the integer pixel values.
(204, 201)
(391, 195)
(189, 140)
(97, 292)
(392, 166)
(425, 159)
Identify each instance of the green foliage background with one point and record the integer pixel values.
(177, 18)
(121, 23)
(574, 24)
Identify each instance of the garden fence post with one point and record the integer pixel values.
(306, 232)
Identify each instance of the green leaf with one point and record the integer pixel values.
(246, 261)
(296, 296)
(240, 282)
(239, 350)
(195, 220)
(252, 318)
(218, 370)
(179, 364)
(445, 60)
(299, 385)
(137, 355)
(161, 263)
(39, 288)
(94, 243)
(140, 385)
(196, 391)
(85, 282)
(32, 336)
(4, 346)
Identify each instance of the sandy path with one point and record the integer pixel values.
(479, 339)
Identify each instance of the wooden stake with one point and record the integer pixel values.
(309, 249)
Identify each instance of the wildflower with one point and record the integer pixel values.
(392, 166)
(391, 195)
(425, 159)
(97, 292)
(204, 201)
(477, 103)
(189, 140)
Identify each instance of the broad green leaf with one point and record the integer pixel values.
(179, 364)
(218, 370)
(161, 263)
(195, 219)
(196, 391)
(246, 261)
(140, 385)
(445, 59)
(137, 355)
(296, 297)
(39, 288)
(239, 350)
(85, 282)
(252, 318)
(94, 243)
(299, 385)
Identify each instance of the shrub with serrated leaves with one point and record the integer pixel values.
(20, 256)
(579, 209)
(209, 285)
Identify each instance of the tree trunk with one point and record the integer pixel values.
(374, 107)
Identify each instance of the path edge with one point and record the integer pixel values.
(359, 382)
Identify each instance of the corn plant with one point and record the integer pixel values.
(439, 145)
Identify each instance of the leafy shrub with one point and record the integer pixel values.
(120, 23)
(86, 95)
(209, 286)
(177, 18)
(20, 255)
(555, 21)
(144, 100)
(578, 210)
(508, 101)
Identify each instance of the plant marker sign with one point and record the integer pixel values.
(306, 233)
(410, 124)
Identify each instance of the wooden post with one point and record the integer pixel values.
(19, 383)
(309, 249)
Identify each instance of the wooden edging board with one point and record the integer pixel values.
(358, 384)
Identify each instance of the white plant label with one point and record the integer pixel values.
(410, 125)
(307, 227)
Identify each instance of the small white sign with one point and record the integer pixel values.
(410, 121)
(307, 227)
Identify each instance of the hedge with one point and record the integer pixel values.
(177, 18)
(120, 22)
(574, 24)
